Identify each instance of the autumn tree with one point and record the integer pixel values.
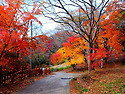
(87, 28)
(72, 52)
(87, 22)
(58, 39)
(14, 40)
(112, 36)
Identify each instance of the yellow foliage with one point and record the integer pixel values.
(72, 54)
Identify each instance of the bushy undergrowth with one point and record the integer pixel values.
(59, 69)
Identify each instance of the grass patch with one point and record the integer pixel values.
(60, 69)
(67, 67)
(110, 85)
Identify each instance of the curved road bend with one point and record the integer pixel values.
(52, 84)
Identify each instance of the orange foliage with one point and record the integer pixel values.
(108, 41)
(71, 52)
(13, 31)
(111, 32)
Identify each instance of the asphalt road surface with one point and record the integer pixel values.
(52, 84)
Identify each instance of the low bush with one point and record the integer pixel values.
(61, 68)
(51, 69)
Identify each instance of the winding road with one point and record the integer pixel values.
(52, 84)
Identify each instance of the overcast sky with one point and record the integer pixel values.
(49, 25)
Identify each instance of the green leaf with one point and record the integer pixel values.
(84, 89)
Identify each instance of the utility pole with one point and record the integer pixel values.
(31, 48)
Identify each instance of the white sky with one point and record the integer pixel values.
(49, 25)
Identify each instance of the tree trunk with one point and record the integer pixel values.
(88, 58)
(74, 66)
(106, 60)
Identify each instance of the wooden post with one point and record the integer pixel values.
(29, 71)
(39, 70)
(1, 76)
(49, 70)
(45, 71)
(21, 72)
(36, 70)
(12, 76)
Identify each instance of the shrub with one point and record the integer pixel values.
(59, 69)
(73, 79)
(51, 69)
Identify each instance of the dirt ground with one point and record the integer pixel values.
(60, 65)
(101, 81)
